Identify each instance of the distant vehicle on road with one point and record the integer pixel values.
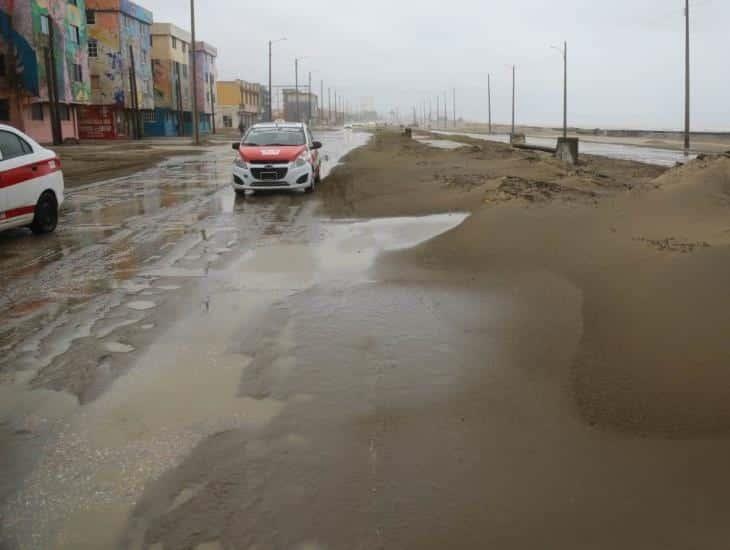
(348, 126)
(31, 183)
(277, 155)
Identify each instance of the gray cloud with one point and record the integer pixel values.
(626, 56)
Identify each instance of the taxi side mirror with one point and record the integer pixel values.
(235, 146)
(316, 145)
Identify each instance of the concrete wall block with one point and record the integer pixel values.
(567, 150)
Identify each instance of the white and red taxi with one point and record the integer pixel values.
(277, 155)
(31, 183)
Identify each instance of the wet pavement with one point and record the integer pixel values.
(648, 155)
(183, 368)
(82, 308)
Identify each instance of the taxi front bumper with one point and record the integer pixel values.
(271, 177)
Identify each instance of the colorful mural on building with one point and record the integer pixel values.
(50, 39)
(171, 55)
(119, 40)
(69, 44)
(116, 26)
(205, 84)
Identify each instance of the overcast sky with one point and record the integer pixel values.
(626, 57)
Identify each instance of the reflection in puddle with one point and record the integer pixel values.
(353, 246)
(188, 384)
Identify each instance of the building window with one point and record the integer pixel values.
(149, 116)
(174, 43)
(73, 2)
(184, 47)
(93, 48)
(185, 71)
(36, 111)
(75, 34)
(95, 82)
(64, 112)
(5, 110)
(44, 24)
(90, 17)
(3, 70)
(78, 73)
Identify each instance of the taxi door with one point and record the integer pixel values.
(17, 197)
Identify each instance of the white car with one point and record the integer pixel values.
(277, 155)
(31, 183)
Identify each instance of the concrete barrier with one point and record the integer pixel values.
(517, 139)
(567, 150)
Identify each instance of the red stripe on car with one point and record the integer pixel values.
(22, 211)
(21, 174)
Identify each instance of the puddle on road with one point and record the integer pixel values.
(141, 305)
(185, 386)
(441, 143)
(353, 246)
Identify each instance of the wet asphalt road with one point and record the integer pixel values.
(131, 258)
(648, 155)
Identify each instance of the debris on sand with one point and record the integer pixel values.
(673, 245)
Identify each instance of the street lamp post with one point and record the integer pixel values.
(489, 100)
(309, 99)
(514, 71)
(564, 53)
(296, 85)
(686, 83)
(196, 129)
(271, 92)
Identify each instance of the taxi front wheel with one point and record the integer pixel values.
(45, 219)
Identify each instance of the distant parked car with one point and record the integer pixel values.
(31, 183)
(277, 155)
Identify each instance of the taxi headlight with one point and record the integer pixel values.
(240, 163)
(302, 160)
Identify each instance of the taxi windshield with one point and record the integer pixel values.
(262, 137)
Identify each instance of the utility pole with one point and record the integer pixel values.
(271, 92)
(320, 102)
(136, 126)
(309, 99)
(686, 83)
(454, 96)
(565, 90)
(53, 85)
(212, 102)
(446, 110)
(438, 110)
(196, 129)
(489, 100)
(329, 106)
(296, 86)
(514, 70)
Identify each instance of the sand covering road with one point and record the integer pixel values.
(586, 402)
